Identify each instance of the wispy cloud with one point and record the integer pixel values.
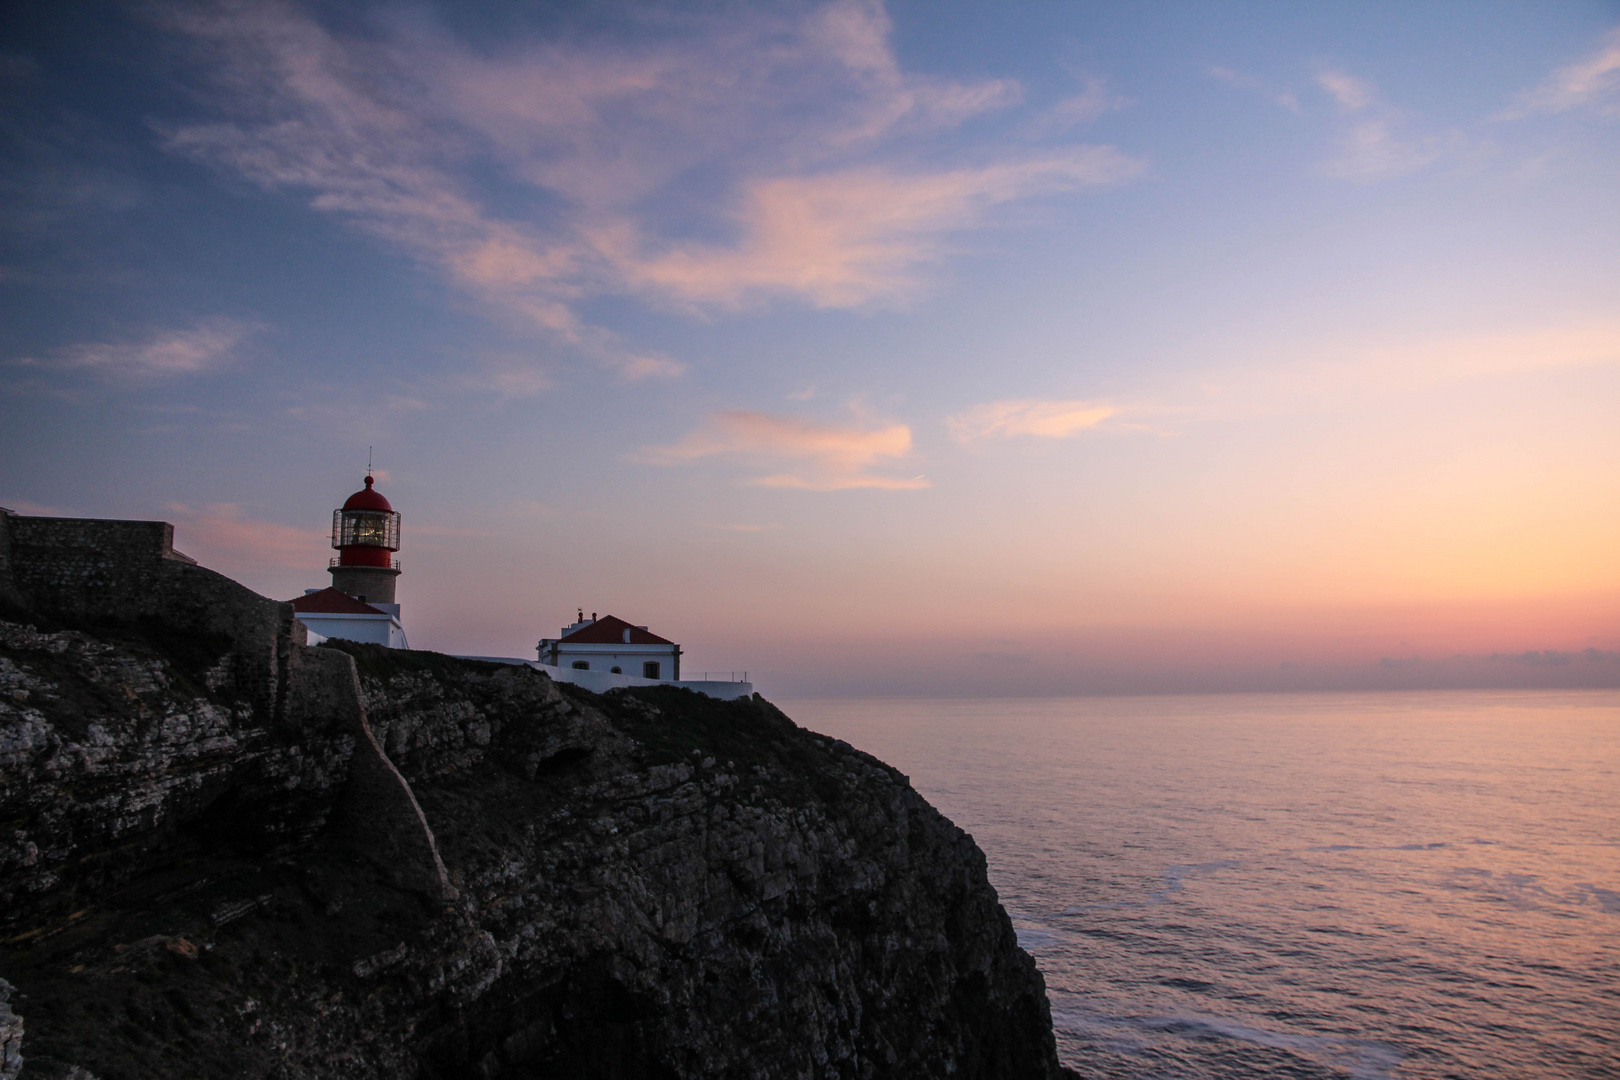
(23, 506)
(1027, 416)
(508, 377)
(1358, 375)
(220, 534)
(800, 453)
(1376, 144)
(842, 239)
(1352, 94)
(1593, 81)
(1281, 98)
(796, 121)
(1082, 108)
(203, 347)
(740, 528)
(332, 408)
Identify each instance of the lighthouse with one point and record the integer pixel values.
(359, 605)
(366, 534)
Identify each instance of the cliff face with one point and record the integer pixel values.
(400, 864)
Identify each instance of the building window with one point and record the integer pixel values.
(616, 670)
(649, 670)
(582, 665)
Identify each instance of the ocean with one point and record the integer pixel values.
(1373, 886)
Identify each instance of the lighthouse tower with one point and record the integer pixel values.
(366, 534)
(359, 604)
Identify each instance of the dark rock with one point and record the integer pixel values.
(374, 863)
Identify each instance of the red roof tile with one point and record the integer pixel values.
(330, 601)
(609, 630)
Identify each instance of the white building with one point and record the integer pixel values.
(611, 645)
(607, 654)
(333, 614)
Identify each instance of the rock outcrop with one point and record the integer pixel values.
(226, 854)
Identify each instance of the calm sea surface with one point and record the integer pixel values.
(1372, 886)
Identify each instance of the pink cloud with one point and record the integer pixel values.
(806, 455)
(1594, 81)
(219, 536)
(1029, 416)
(1082, 108)
(1282, 98)
(33, 509)
(843, 239)
(207, 345)
(1376, 144)
(795, 113)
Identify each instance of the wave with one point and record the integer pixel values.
(1362, 1059)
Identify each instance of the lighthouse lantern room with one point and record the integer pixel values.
(366, 534)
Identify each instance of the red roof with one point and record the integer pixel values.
(367, 499)
(330, 601)
(609, 630)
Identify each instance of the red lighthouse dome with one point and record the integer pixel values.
(368, 498)
(366, 534)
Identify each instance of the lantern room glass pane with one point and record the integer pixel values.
(365, 528)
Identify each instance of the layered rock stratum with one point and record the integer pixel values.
(224, 853)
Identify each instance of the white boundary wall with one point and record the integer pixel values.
(600, 682)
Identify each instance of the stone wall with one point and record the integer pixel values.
(9, 597)
(128, 571)
(87, 563)
(151, 695)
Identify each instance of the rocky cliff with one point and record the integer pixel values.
(226, 854)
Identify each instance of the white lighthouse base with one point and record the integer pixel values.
(382, 628)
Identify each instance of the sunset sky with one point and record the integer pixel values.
(934, 347)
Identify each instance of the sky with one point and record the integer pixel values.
(921, 348)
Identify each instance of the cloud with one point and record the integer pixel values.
(511, 380)
(1556, 658)
(1375, 141)
(529, 508)
(1027, 416)
(806, 455)
(33, 509)
(330, 407)
(219, 534)
(706, 162)
(842, 239)
(1352, 94)
(1281, 98)
(1374, 145)
(1592, 81)
(1328, 381)
(1082, 108)
(636, 368)
(204, 347)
